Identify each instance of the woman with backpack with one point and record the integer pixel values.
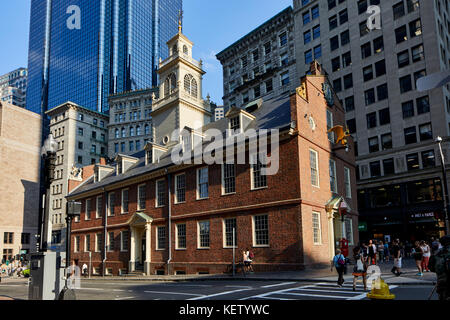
(339, 264)
(360, 268)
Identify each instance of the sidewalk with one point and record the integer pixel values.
(408, 276)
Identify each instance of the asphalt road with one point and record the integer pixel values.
(220, 290)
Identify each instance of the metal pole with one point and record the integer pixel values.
(444, 181)
(90, 263)
(234, 249)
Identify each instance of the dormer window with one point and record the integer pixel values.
(119, 168)
(149, 156)
(187, 142)
(235, 124)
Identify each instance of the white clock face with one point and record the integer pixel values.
(312, 123)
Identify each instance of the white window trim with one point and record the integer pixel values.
(333, 163)
(347, 178)
(138, 196)
(86, 242)
(198, 184)
(240, 130)
(176, 195)
(122, 249)
(331, 134)
(157, 239)
(109, 204)
(223, 180)
(76, 244)
(97, 249)
(97, 211)
(86, 212)
(109, 243)
(317, 168)
(254, 232)
(121, 204)
(157, 205)
(225, 235)
(320, 228)
(350, 241)
(252, 182)
(198, 235)
(176, 236)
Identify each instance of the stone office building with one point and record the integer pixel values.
(261, 64)
(374, 74)
(148, 214)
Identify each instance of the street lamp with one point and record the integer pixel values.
(48, 154)
(444, 180)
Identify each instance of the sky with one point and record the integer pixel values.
(212, 25)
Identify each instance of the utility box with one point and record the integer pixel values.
(47, 275)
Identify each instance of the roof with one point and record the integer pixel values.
(273, 114)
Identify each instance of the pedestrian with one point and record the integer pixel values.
(426, 256)
(380, 248)
(339, 264)
(85, 270)
(360, 268)
(435, 246)
(439, 264)
(397, 255)
(364, 251)
(402, 249)
(418, 255)
(247, 260)
(372, 253)
(386, 252)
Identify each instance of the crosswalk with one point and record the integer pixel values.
(316, 291)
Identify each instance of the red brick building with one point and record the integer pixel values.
(146, 213)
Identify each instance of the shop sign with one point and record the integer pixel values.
(423, 215)
(362, 226)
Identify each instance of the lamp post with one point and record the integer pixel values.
(444, 181)
(48, 154)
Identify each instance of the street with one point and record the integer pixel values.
(221, 290)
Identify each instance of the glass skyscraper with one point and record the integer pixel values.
(116, 48)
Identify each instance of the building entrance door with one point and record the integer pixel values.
(143, 248)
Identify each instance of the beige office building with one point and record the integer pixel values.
(374, 73)
(20, 135)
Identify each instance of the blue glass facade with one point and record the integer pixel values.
(117, 49)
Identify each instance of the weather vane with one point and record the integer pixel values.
(180, 20)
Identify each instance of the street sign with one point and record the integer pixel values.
(362, 226)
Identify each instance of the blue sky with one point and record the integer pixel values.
(211, 24)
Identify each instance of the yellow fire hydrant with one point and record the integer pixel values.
(380, 290)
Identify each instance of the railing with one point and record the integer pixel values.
(196, 63)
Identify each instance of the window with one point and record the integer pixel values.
(202, 183)
(382, 92)
(363, 29)
(87, 243)
(99, 207)
(351, 125)
(368, 73)
(366, 50)
(343, 16)
(380, 68)
(160, 193)
(412, 161)
(423, 105)
(412, 5)
(425, 132)
(255, 55)
(333, 22)
(284, 78)
(371, 120)
(261, 230)
(362, 6)
(269, 85)
(349, 103)
(378, 45)
(141, 196)
(417, 53)
(384, 116)
(418, 75)
(348, 81)
(88, 209)
(405, 84)
(80, 131)
(373, 145)
(333, 181)
(267, 48)
(408, 109)
(284, 61)
(314, 166)
(347, 183)
(334, 43)
(410, 135)
(230, 226)
(345, 38)
(388, 166)
(76, 244)
(8, 238)
(330, 125)
(203, 239)
(346, 59)
(244, 62)
(315, 12)
(111, 204)
(348, 230)
(110, 242)
(25, 238)
(283, 36)
(161, 233)
(258, 179)
(316, 32)
(181, 236)
(375, 169)
(386, 141)
(331, 4)
(307, 37)
(317, 52)
(308, 57)
(229, 178)
(403, 59)
(428, 159)
(125, 201)
(398, 10)
(337, 85)
(124, 241)
(400, 34)
(317, 233)
(336, 64)
(415, 28)
(180, 188)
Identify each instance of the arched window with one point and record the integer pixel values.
(190, 85)
(116, 134)
(170, 84)
(131, 131)
(138, 130)
(185, 49)
(123, 133)
(147, 129)
(174, 49)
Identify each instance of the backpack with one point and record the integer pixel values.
(341, 261)
(251, 255)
